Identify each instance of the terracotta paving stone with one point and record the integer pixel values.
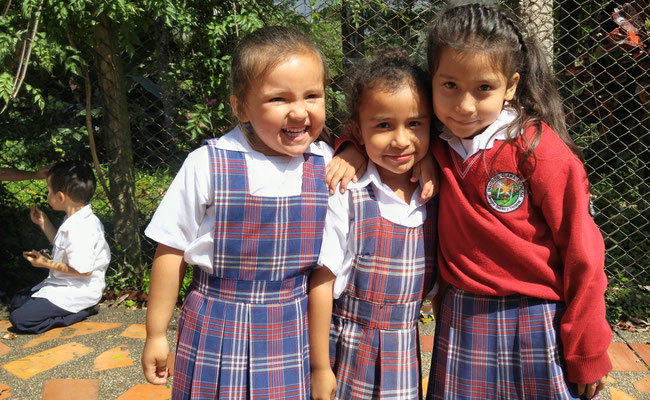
(5, 391)
(610, 379)
(4, 324)
(135, 331)
(618, 394)
(623, 359)
(78, 329)
(426, 343)
(171, 360)
(148, 392)
(643, 350)
(425, 385)
(114, 358)
(29, 366)
(643, 385)
(4, 349)
(71, 389)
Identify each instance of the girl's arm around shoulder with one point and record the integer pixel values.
(323, 381)
(166, 277)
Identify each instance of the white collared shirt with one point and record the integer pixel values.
(185, 217)
(79, 242)
(485, 140)
(338, 249)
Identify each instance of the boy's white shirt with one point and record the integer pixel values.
(185, 218)
(79, 242)
(485, 140)
(338, 248)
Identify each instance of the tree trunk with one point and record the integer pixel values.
(117, 136)
(537, 16)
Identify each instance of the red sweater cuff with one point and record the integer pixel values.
(588, 370)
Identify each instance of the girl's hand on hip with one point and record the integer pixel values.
(589, 390)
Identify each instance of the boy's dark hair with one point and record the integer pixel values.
(490, 29)
(389, 69)
(74, 178)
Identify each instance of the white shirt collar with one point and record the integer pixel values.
(235, 141)
(385, 193)
(483, 141)
(81, 214)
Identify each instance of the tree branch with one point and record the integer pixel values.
(6, 10)
(89, 121)
(26, 53)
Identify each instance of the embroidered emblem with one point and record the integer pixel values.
(505, 192)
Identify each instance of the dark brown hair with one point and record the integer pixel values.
(389, 69)
(74, 178)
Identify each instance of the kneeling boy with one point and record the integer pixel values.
(80, 256)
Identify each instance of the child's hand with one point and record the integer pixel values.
(37, 216)
(36, 258)
(427, 170)
(323, 384)
(346, 166)
(154, 360)
(589, 390)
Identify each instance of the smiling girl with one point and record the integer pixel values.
(247, 210)
(377, 252)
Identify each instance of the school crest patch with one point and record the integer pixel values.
(505, 192)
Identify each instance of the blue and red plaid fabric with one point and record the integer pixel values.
(492, 347)
(373, 337)
(243, 329)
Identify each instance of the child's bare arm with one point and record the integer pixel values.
(167, 274)
(323, 381)
(346, 166)
(426, 170)
(39, 260)
(40, 218)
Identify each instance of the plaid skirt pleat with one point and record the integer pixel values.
(236, 350)
(374, 363)
(492, 347)
(373, 336)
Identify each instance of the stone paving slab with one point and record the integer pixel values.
(114, 358)
(71, 389)
(33, 364)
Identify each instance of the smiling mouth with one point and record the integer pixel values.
(401, 157)
(294, 133)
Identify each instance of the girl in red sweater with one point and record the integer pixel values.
(523, 315)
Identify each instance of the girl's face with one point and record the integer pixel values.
(394, 127)
(469, 92)
(287, 106)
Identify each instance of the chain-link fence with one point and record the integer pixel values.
(149, 85)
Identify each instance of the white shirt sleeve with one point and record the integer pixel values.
(337, 250)
(182, 220)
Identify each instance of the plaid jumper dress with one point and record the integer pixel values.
(243, 329)
(373, 337)
(497, 347)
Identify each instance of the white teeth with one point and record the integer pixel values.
(294, 132)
